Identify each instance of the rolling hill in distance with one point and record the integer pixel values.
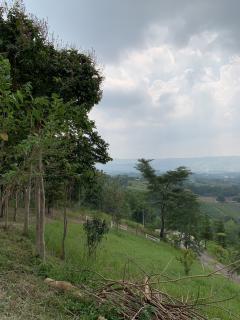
(207, 165)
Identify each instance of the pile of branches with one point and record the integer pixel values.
(143, 301)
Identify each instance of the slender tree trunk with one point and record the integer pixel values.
(48, 210)
(27, 200)
(1, 202)
(65, 223)
(143, 218)
(42, 211)
(6, 226)
(162, 230)
(42, 221)
(38, 212)
(16, 206)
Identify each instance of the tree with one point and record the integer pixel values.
(232, 230)
(185, 212)
(164, 188)
(206, 230)
(140, 209)
(114, 200)
(56, 90)
(187, 259)
(9, 137)
(220, 233)
(34, 59)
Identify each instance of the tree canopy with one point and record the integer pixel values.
(46, 94)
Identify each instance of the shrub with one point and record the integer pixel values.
(95, 230)
(187, 259)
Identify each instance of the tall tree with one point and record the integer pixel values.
(220, 233)
(163, 189)
(60, 88)
(185, 212)
(206, 230)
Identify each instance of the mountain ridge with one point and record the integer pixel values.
(214, 164)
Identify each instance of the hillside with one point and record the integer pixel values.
(126, 255)
(221, 210)
(23, 293)
(25, 296)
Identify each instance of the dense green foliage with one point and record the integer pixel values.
(95, 230)
(48, 140)
(168, 194)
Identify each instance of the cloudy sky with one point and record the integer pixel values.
(172, 71)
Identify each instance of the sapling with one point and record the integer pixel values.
(186, 259)
(95, 230)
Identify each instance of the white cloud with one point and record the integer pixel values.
(188, 96)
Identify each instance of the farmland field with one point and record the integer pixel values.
(220, 210)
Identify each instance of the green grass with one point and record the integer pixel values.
(23, 293)
(122, 252)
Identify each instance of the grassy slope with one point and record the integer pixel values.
(24, 295)
(121, 251)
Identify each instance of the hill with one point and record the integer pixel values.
(226, 164)
(224, 211)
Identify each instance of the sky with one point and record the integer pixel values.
(171, 68)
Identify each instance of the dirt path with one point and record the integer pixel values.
(209, 262)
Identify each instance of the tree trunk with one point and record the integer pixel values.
(143, 218)
(1, 202)
(42, 212)
(48, 210)
(16, 206)
(27, 200)
(65, 222)
(38, 210)
(40, 223)
(6, 226)
(162, 230)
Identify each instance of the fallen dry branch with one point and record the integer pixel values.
(133, 300)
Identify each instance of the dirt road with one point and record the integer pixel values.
(209, 262)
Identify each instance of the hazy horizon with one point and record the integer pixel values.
(193, 157)
(209, 165)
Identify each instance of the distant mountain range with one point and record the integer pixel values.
(227, 164)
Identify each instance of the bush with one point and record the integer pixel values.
(95, 230)
(221, 254)
(187, 259)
